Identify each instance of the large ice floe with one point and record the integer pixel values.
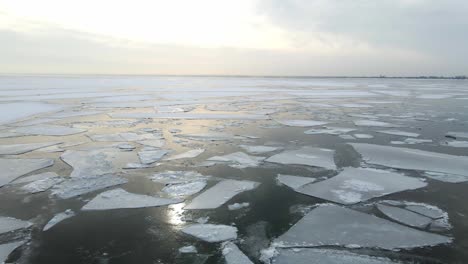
(48, 130)
(338, 226)
(310, 156)
(42, 184)
(300, 123)
(233, 255)
(374, 123)
(292, 181)
(16, 149)
(187, 155)
(238, 160)
(15, 111)
(6, 249)
(8, 224)
(354, 185)
(151, 155)
(220, 193)
(414, 159)
(121, 199)
(404, 216)
(178, 177)
(11, 169)
(325, 256)
(88, 163)
(77, 186)
(211, 232)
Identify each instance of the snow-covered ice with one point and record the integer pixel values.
(310, 156)
(15, 111)
(338, 226)
(121, 199)
(58, 218)
(210, 232)
(11, 169)
(363, 136)
(354, 185)
(219, 194)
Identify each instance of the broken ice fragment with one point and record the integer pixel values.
(151, 156)
(36, 177)
(329, 130)
(8, 224)
(14, 168)
(237, 160)
(338, 226)
(258, 149)
(58, 218)
(413, 159)
(184, 189)
(293, 182)
(78, 186)
(354, 185)
(211, 233)
(374, 123)
(48, 130)
(188, 250)
(178, 177)
(220, 194)
(233, 255)
(121, 199)
(237, 206)
(300, 123)
(363, 136)
(156, 143)
(325, 256)
(16, 149)
(399, 133)
(42, 185)
(317, 157)
(187, 155)
(6, 249)
(404, 216)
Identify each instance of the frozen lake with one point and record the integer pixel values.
(166, 169)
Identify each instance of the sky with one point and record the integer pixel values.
(242, 37)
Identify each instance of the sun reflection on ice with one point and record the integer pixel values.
(175, 214)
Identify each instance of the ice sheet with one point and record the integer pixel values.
(354, 185)
(121, 199)
(196, 116)
(177, 177)
(329, 130)
(35, 177)
(8, 224)
(338, 226)
(294, 182)
(210, 232)
(310, 156)
(10, 112)
(16, 149)
(233, 255)
(219, 194)
(14, 168)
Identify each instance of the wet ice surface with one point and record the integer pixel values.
(249, 160)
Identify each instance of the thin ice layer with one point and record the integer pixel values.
(413, 159)
(211, 233)
(354, 185)
(325, 256)
(14, 168)
(233, 255)
(310, 156)
(338, 226)
(82, 185)
(220, 194)
(16, 149)
(121, 199)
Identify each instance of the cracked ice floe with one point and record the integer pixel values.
(258, 149)
(404, 216)
(48, 130)
(363, 136)
(310, 156)
(354, 185)
(374, 123)
(238, 160)
(413, 159)
(82, 185)
(87, 163)
(14, 168)
(201, 116)
(58, 218)
(233, 255)
(338, 226)
(35, 177)
(187, 155)
(8, 224)
(184, 189)
(121, 199)
(42, 185)
(6, 249)
(329, 130)
(149, 155)
(398, 133)
(178, 177)
(211, 232)
(300, 123)
(328, 256)
(293, 182)
(220, 194)
(16, 149)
